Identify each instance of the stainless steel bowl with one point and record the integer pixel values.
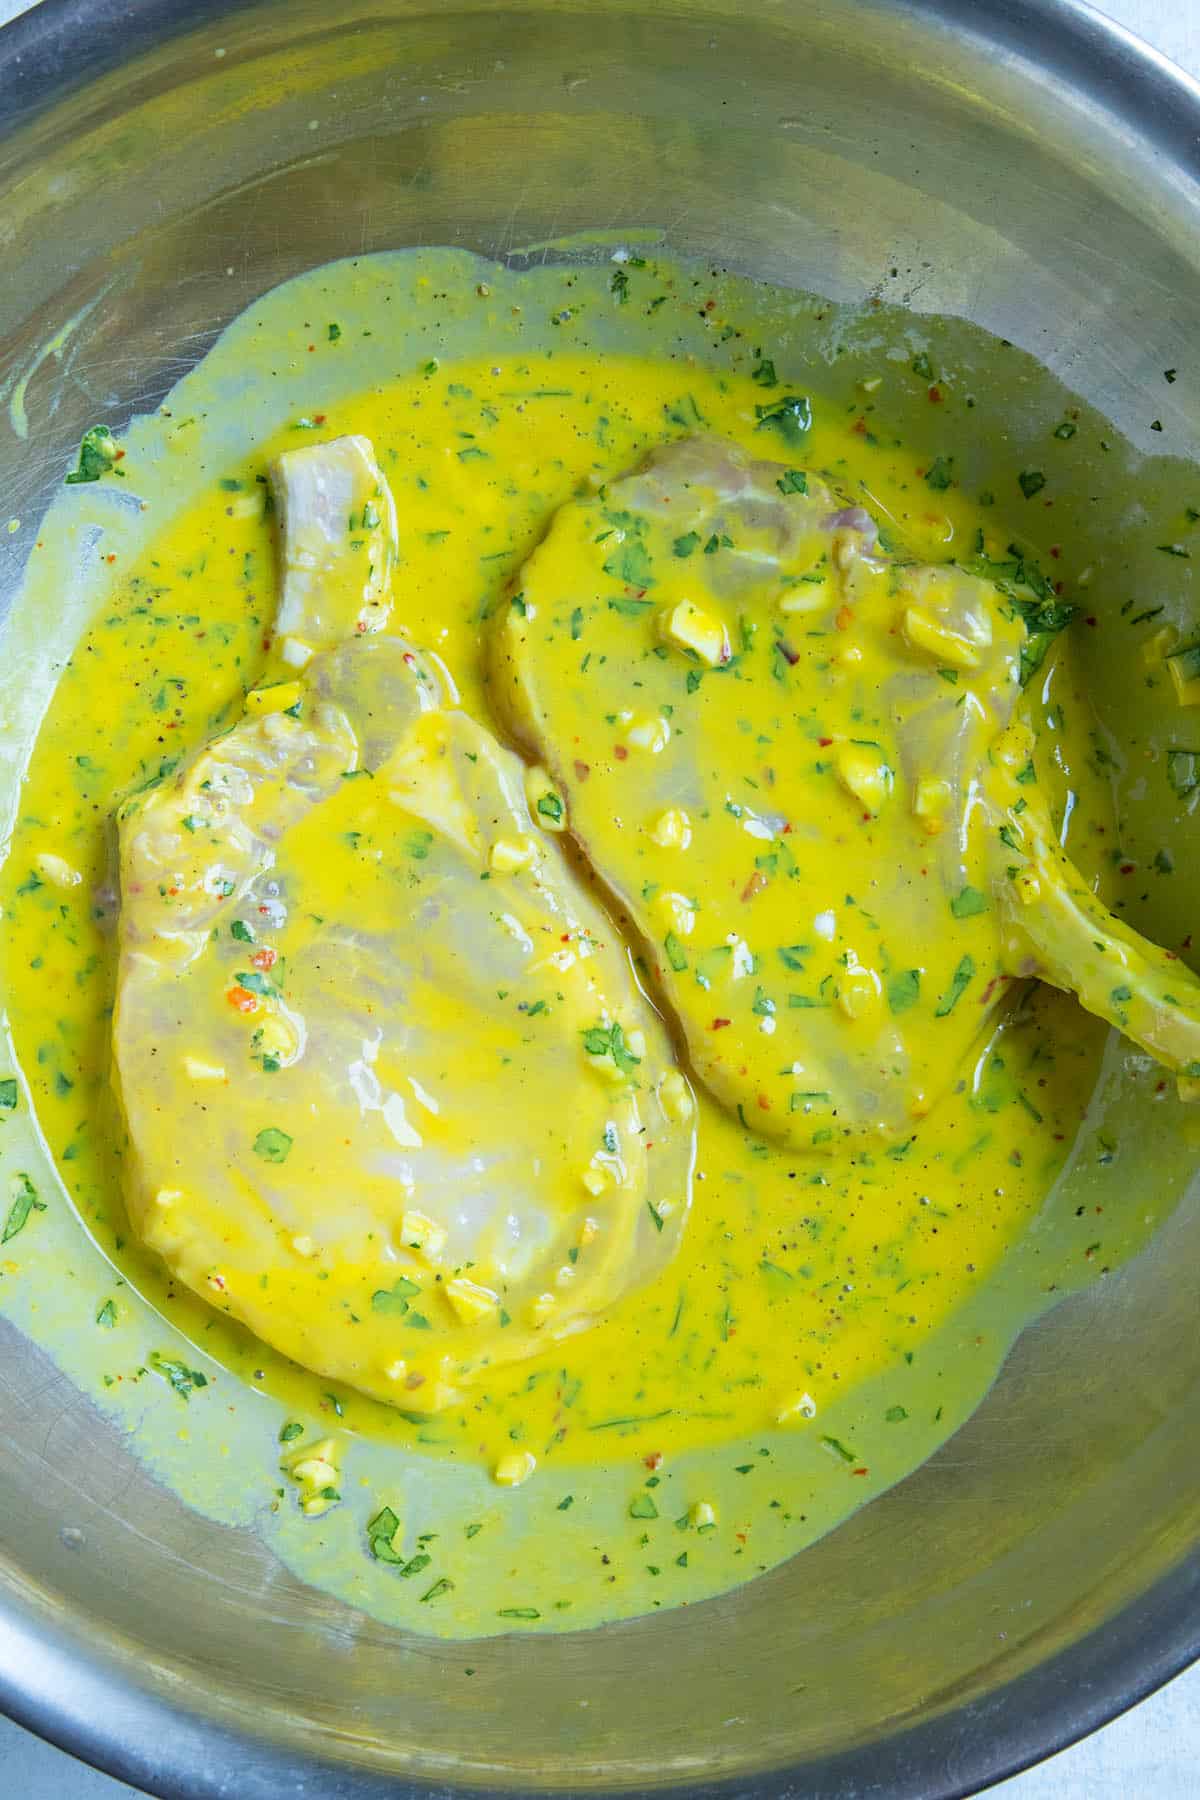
(1022, 163)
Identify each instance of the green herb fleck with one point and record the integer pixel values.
(904, 990)
(837, 1448)
(177, 1375)
(25, 1201)
(959, 983)
(609, 1040)
(791, 416)
(272, 1144)
(394, 1300)
(97, 455)
(967, 902)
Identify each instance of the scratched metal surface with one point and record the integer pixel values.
(1154, 1749)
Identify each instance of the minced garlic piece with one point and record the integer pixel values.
(422, 1234)
(653, 734)
(693, 629)
(810, 594)
(57, 870)
(510, 854)
(932, 800)
(677, 913)
(675, 1097)
(314, 1469)
(864, 774)
(295, 652)
(672, 829)
(470, 1301)
(512, 1470)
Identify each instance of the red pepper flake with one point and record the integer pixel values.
(119, 455)
(1056, 551)
(764, 1103)
(582, 770)
(653, 1461)
(860, 1471)
(1128, 868)
(755, 885)
(1092, 620)
(318, 418)
(844, 618)
(242, 999)
(620, 752)
(935, 399)
(719, 1024)
(824, 742)
(264, 958)
(111, 557)
(859, 427)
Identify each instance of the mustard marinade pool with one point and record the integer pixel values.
(825, 1320)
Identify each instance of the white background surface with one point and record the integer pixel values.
(1153, 1753)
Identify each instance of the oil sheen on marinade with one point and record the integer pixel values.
(794, 1281)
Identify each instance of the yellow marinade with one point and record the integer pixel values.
(795, 1279)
